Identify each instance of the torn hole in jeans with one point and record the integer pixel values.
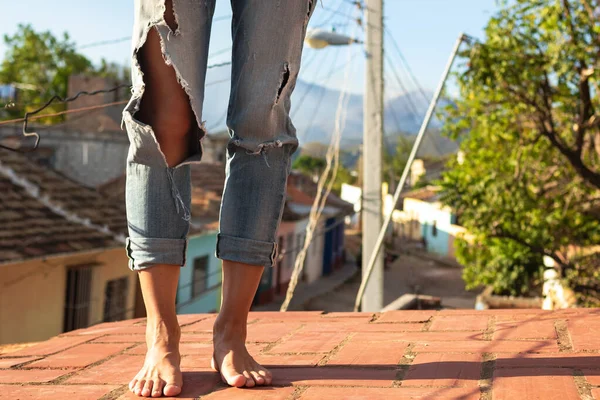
(170, 17)
(253, 148)
(285, 77)
(139, 127)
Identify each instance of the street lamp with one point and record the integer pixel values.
(320, 38)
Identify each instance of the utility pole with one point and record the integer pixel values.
(372, 151)
(371, 267)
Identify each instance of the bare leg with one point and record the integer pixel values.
(160, 373)
(231, 358)
(165, 107)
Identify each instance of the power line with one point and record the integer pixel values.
(337, 12)
(324, 184)
(29, 116)
(128, 38)
(217, 82)
(219, 52)
(104, 43)
(310, 87)
(407, 66)
(322, 96)
(222, 18)
(408, 98)
(331, 16)
(220, 120)
(219, 65)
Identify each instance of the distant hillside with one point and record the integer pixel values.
(315, 117)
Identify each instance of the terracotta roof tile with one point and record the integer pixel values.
(336, 364)
(429, 194)
(44, 213)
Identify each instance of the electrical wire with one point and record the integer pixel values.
(412, 105)
(219, 65)
(332, 15)
(310, 88)
(32, 115)
(407, 66)
(219, 52)
(332, 158)
(104, 42)
(220, 120)
(320, 99)
(415, 113)
(128, 38)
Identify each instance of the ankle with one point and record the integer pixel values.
(228, 328)
(160, 331)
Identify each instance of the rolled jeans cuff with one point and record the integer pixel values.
(146, 252)
(246, 251)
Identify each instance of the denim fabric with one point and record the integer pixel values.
(267, 37)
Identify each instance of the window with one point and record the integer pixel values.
(115, 299)
(77, 298)
(200, 276)
(434, 229)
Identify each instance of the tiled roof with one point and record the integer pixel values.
(424, 354)
(208, 183)
(428, 194)
(43, 213)
(298, 196)
(209, 177)
(304, 190)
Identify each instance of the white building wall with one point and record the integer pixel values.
(314, 268)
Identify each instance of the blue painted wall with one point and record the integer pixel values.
(199, 246)
(443, 219)
(435, 244)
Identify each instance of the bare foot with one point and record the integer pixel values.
(232, 360)
(160, 374)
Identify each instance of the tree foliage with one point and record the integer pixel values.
(314, 166)
(309, 165)
(528, 116)
(39, 65)
(395, 161)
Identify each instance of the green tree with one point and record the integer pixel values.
(309, 165)
(394, 161)
(529, 185)
(343, 176)
(314, 166)
(40, 64)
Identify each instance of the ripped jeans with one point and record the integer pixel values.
(268, 37)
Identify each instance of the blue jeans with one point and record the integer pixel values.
(268, 38)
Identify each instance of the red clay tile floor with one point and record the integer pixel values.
(458, 354)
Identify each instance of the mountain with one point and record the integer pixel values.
(314, 109)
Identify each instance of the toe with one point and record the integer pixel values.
(139, 386)
(237, 380)
(266, 375)
(157, 388)
(172, 389)
(132, 384)
(259, 380)
(249, 381)
(147, 390)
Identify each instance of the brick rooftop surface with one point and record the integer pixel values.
(458, 354)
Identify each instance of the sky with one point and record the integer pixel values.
(424, 29)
